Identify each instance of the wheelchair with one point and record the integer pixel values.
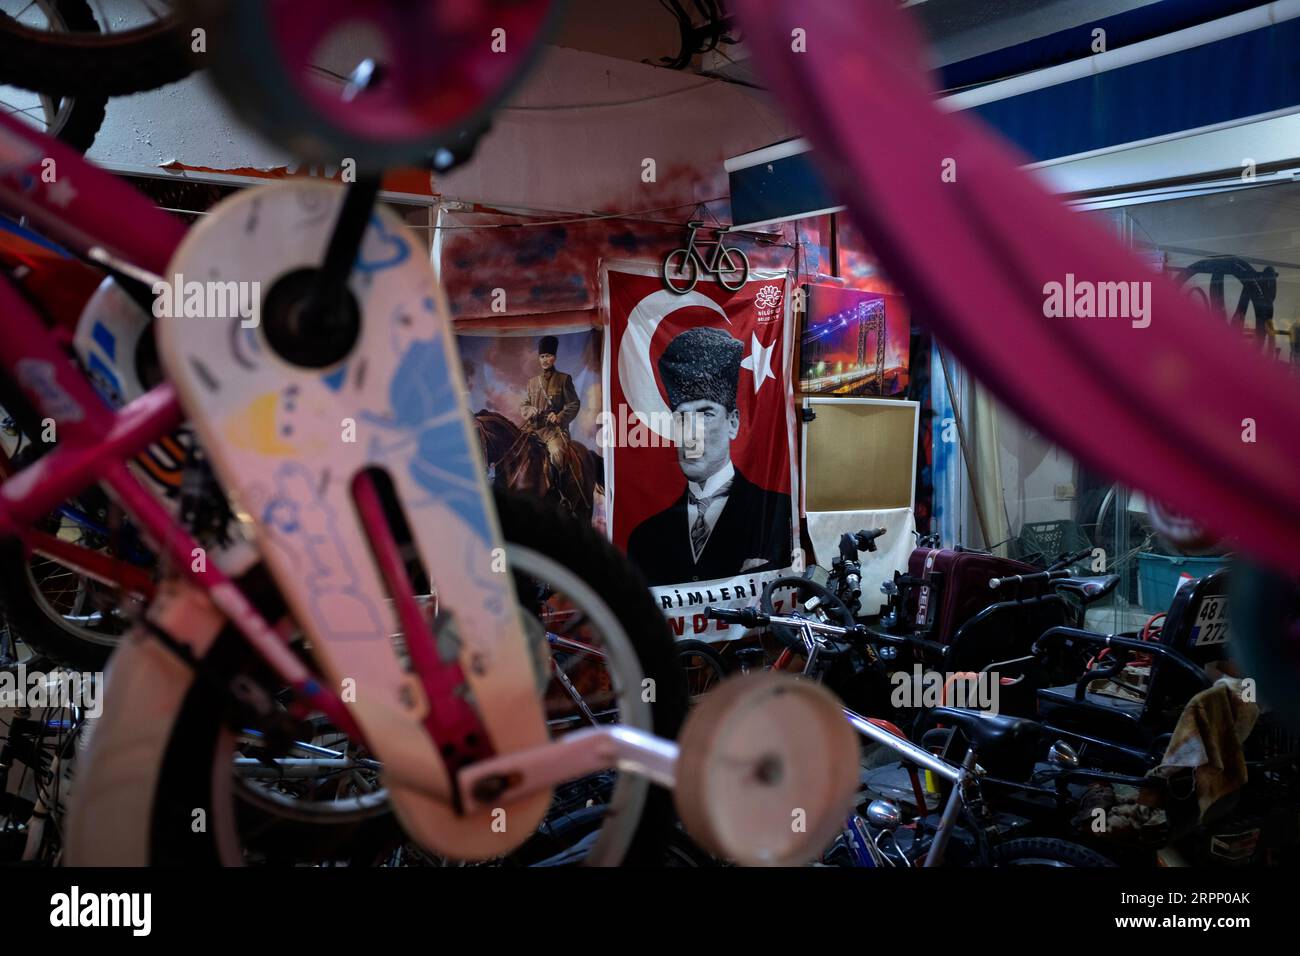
(1107, 732)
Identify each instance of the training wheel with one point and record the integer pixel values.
(767, 770)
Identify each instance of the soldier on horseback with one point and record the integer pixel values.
(551, 404)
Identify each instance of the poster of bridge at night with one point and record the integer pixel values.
(854, 342)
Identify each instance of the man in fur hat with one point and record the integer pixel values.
(551, 404)
(723, 524)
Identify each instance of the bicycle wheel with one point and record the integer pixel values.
(680, 271)
(54, 609)
(386, 83)
(74, 120)
(60, 612)
(185, 762)
(702, 665)
(1045, 851)
(733, 269)
(152, 51)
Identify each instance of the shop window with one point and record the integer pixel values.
(1236, 250)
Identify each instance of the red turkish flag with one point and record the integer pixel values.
(644, 317)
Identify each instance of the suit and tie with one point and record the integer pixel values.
(712, 531)
(727, 524)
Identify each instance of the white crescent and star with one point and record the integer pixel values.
(759, 361)
(634, 371)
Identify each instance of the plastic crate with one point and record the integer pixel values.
(1042, 542)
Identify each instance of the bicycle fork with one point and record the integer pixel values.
(960, 777)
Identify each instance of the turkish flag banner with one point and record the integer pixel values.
(698, 434)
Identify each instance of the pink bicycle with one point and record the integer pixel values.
(321, 386)
(331, 416)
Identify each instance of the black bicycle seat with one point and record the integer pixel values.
(1088, 589)
(992, 735)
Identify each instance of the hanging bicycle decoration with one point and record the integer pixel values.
(682, 267)
(1258, 294)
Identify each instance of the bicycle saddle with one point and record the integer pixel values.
(1090, 588)
(994, 736)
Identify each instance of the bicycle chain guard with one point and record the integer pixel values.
(287, 442)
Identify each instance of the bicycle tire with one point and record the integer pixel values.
(91, 63)
(708, 659)
(85, 114)
(190, 759)
(1047, 851)
(85, 118)
(22, 613)
(744, 271)
(264, 86)
(694, 271)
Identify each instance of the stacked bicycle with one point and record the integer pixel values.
(966, 831)
(1092, 756)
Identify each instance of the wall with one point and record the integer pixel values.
(572, 139)
(184, 122)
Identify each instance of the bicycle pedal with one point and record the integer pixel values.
(291, 406)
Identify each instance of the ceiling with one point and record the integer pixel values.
(964, 28)
(646, 30)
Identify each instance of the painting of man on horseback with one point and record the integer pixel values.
(539, 456)
(550, 405)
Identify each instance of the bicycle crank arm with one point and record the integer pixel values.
(496, 781)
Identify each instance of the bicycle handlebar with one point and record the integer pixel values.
(746, 616)
(1124, 644)
(851, 542)
(753, 617)
(1069, 559)
(995, 583)
(866, 539)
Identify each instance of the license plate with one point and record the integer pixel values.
(1211, 625)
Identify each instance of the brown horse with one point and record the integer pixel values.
(518, 458)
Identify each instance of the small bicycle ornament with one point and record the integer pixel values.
(681, 267)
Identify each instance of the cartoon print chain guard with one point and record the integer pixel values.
(277, 435)
(109, 332)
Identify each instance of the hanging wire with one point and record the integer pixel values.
(639, 216)
(595, 217)
(611, 103)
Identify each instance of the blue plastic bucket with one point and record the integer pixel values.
(1158, 576)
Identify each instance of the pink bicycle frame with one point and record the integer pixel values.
(108, 221)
